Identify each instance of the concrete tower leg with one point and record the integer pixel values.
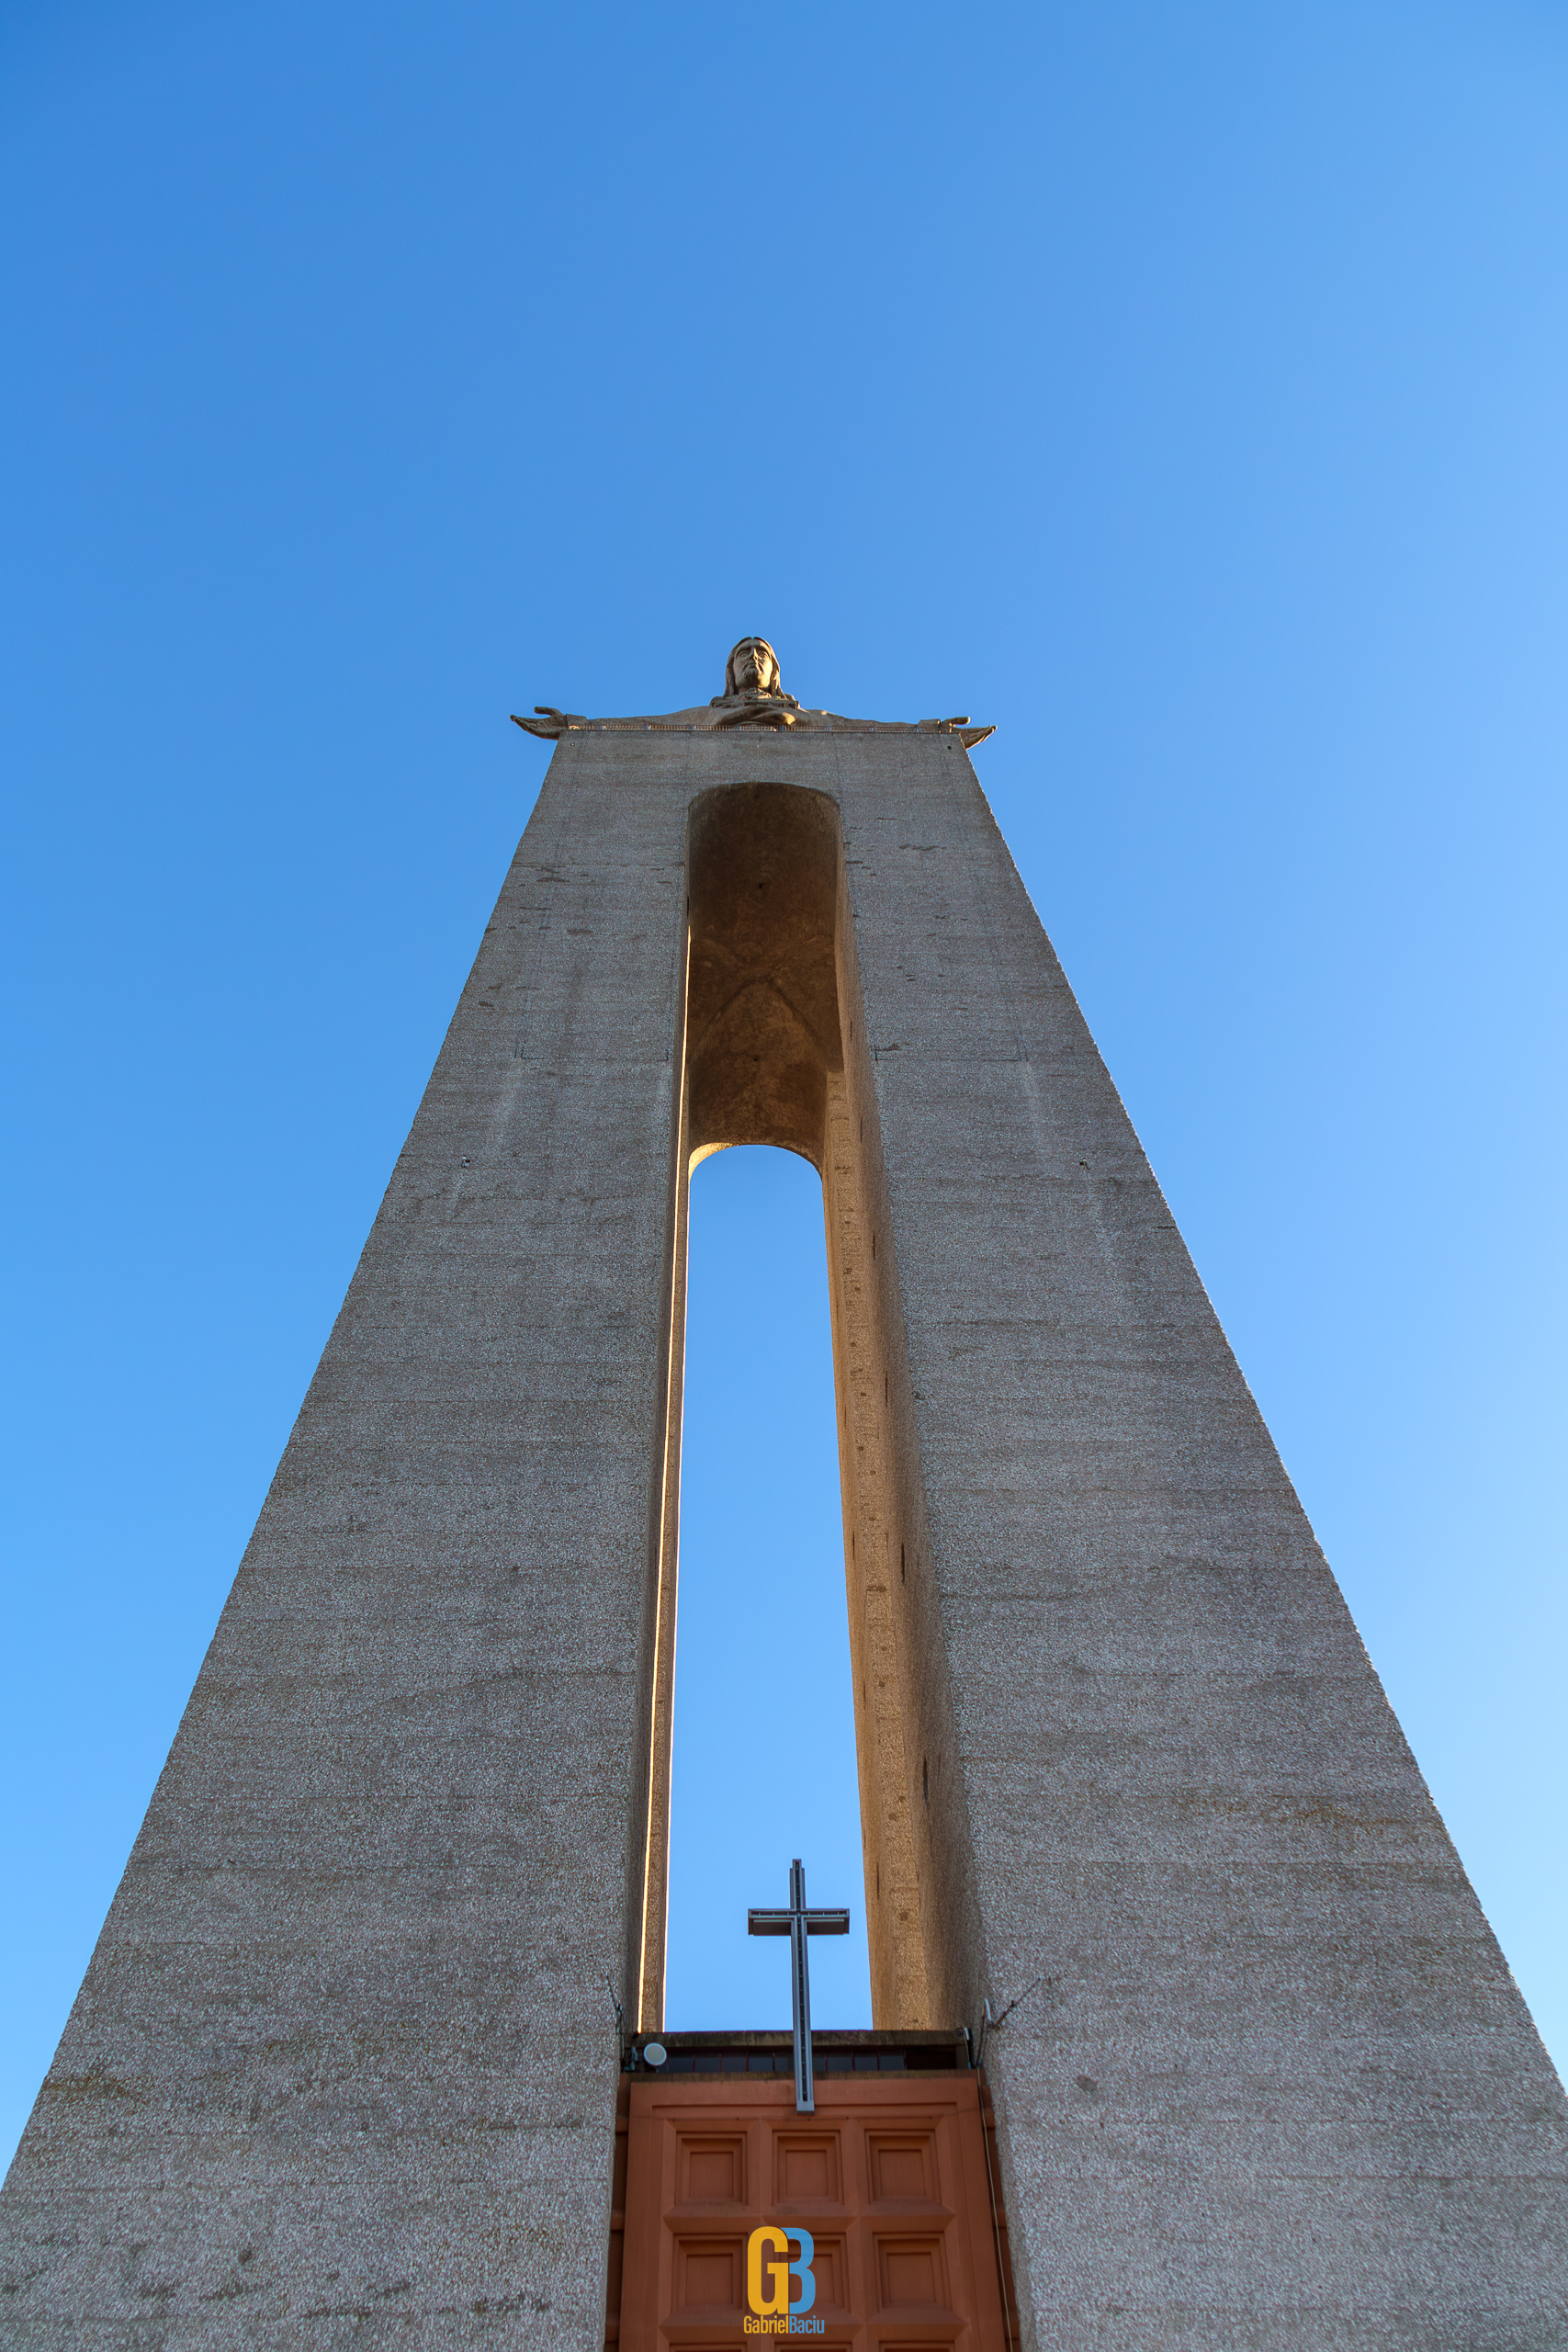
(345, 2057)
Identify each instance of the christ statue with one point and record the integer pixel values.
(752, 696)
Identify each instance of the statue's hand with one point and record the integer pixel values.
(548, 722)
(759, 714)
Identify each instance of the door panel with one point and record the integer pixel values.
(888, 2176)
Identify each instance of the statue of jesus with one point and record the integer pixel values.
(752, 696)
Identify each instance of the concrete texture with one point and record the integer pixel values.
(342, 2067)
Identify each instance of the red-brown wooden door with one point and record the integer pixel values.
(888, 2176)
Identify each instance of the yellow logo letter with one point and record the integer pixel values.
(768, 2239)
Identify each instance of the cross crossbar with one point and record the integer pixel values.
(779, 1923)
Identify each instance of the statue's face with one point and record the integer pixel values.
(754, 667)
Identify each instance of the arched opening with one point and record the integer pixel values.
(770, 1054)
(764, 1740)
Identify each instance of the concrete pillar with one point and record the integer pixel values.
(1274, 2085)
(345, 2058)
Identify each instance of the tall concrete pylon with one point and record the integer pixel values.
(344, 2063)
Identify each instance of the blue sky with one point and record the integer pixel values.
(1181, 386)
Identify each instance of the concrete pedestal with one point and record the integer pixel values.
(344, 2065)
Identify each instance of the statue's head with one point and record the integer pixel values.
(752, 667)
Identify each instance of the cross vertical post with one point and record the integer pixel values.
(800, 1992)
(797, 1923)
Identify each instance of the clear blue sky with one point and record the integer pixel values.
(1181, 386)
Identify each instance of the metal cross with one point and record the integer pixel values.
(797, 1923)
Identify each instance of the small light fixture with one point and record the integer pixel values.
(654, 2054)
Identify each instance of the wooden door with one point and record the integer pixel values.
(888, 2176)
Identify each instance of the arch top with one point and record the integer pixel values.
(765, 863)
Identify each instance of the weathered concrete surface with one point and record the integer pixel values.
(342, 2065)
(1277, 2087)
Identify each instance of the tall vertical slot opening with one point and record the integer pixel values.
(764, 1760)
(769, 1056)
